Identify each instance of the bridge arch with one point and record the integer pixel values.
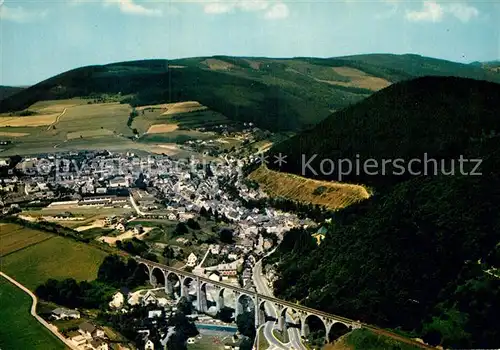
(314, 329)
(146, 269)
(210, 298)
(173, 284)
(187, 283)
(157, 277)
(336, 330)
(244, 303)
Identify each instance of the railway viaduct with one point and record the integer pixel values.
(282, 307)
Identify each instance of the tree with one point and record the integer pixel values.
(225, 314)
(181, 229)
(246, 324)
(193, 224)
(226, 235)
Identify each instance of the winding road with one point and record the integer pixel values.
(293, 333)
(44, 323)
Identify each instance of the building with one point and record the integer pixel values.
(118, 182)
(149, 345)
(118, 300)
(192, 259)
(99, 344)
(64, 314)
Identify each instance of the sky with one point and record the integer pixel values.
(42, 38)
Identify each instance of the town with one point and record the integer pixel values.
(197, 215)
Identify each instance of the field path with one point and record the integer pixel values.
(57, 119)
(44, 323)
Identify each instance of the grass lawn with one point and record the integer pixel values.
(18, 329)
(15, 237)
(262, 341)
(57, 258)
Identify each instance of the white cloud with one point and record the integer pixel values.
(435, 12)
(431, 12)
(277, 11)
(132, 8)
(218, 7)
(271, 9)
(19, 14)
(463, 12)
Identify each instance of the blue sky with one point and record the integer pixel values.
(39, 39)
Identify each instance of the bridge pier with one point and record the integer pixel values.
(198, 295)
(281, 315)
(169, 287)
(219, 302)
(304, 328)
(257, 312)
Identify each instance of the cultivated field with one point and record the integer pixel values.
(359, 79)
(332, 195)
(88, 133)
(20, 330)
(215, 64)
(57, 258)
(15, 237)
(13, 134)
(33, 120)
(56, 106)
(76, 125)
(161, 128)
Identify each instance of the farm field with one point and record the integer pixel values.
(20, 330)
(15, 237)
(73, 124)
(33, 120)
(68, 125)
(332, 195)
(184, 115)
(358, 78)
(57, 258)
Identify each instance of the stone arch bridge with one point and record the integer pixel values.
(281, 306)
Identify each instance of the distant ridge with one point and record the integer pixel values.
(276, 94)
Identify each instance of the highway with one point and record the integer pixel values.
(293, 333)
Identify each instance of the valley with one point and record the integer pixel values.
(171, 197)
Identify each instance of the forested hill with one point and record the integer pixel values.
(6, 91)
(423, 253)
(276, 94)
(440, 117)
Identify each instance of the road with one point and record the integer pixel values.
(139, 212)
(44, 323)
(293, 333)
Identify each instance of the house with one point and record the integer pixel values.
(78, 340)
(320, 235)
(232, 256)
(149, 345)
(118, 182)
(90, 331)
(138, 229)
(214, 249)
(149, 298)
(98, 344)
(154, 313)
(215, 276)
(63, 314)
(120, 227)
(117, 301)
(192, 259)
